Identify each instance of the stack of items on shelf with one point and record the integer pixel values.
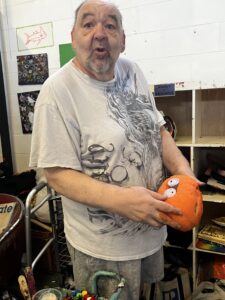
(212, 236)
(214, 175)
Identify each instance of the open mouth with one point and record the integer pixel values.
(100, 51)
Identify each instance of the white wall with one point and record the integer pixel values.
(172, 40)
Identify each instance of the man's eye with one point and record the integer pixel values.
(88, 25)
(110, 26)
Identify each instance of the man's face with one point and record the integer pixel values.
(98, 39)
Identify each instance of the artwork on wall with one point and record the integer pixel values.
(27, 102)
(35, 36)
(66, 52)
(32, 69)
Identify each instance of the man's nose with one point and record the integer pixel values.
(100, 31)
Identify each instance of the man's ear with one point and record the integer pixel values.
(123, 42)
(72, 35)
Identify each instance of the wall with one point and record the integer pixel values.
(172, 40)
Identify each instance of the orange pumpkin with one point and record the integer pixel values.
(183, 192)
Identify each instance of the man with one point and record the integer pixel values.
(101, 142)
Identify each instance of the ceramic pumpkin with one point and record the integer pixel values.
(183, 192)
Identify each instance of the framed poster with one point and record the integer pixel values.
(27, 102)
(35, 36)
(32, 69)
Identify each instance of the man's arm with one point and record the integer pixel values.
(136, 203)
(173, 159)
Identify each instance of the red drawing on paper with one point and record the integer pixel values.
(35, 37)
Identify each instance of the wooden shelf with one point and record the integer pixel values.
(217, 198)
(199, 115)
(184, 141)
(210, 141)
(208, 251)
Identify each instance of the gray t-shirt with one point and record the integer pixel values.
(111, 132)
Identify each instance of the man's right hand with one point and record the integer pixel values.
(142, 205)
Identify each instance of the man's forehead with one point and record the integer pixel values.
(99, 2)
(92, 7)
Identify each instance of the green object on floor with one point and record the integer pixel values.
(120, 286)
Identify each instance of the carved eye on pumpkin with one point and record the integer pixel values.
(173, 182)
(170, 192)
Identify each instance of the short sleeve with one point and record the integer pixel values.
(55, 141)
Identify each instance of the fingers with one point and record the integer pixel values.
(201, 183)
(161, 220)
(146, 206)
(165, 219)
(167, 208)
(172, 209)
(155, 224)
(157, 196)
(159, 216)
(163, 206)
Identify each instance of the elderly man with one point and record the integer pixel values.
(101, 142)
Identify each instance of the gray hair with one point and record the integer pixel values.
(110, 2)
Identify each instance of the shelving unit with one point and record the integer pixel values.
(199, 115)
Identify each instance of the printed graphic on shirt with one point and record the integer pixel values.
(141, 155)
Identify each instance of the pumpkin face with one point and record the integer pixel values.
(183, 192)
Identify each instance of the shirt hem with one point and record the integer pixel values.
(119, 258)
